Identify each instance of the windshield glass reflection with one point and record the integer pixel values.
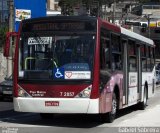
(56, 57)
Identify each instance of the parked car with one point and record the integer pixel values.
(6, 88)
(157, 76)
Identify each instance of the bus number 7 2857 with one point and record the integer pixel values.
(83, 65)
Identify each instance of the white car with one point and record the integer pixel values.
(6, 88)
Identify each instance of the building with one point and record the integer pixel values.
(119, 12)
(53, 8)
(4, 12)
(26, 9)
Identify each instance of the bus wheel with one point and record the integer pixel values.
(1, 98)
(142, 105)
(46, 116)
(110, 116)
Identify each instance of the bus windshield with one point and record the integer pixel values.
(56, 57)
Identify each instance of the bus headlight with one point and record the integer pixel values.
(22, 92)
(85, 93)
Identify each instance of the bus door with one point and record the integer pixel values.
(133, 70)
(125, 71)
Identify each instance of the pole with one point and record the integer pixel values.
(148, 18)
(114, 12)
(11, 29)
(2, 11)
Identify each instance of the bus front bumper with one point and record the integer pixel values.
(57, 105)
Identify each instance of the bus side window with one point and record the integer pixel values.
(116, 53)
(105, 55)
(132, 56)
(152, 58)
(143, 58)
(148, 52)
(105, 58)
(102, 53)
(116, 62)
(105, 61)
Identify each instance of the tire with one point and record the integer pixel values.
(1, 98)
(142, 105)
(46, 116)
(110, 116)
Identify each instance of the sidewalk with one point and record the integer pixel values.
(158, 87)
(3, 70)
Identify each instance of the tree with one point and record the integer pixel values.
(67, 6)
(3, 31)
(91, 6)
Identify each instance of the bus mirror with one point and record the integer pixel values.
(8, 43)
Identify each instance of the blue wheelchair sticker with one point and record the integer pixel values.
(58, 73)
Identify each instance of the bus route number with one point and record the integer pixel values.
(67, 94)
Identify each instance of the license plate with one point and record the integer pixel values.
(51, 103)
(7, 92)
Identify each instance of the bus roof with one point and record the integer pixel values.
(110, 26)
(136, 36)
(126, 32)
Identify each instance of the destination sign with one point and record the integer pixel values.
(59, 26)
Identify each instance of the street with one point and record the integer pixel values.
(131, 117)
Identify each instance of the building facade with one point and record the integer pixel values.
(53, 8)
(53, 5)
(4, 12)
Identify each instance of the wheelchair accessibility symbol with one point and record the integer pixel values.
(59, 73)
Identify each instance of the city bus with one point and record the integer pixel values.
(80, 65)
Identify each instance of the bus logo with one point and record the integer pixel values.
(68, 74)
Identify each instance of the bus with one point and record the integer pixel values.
(80, 65)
